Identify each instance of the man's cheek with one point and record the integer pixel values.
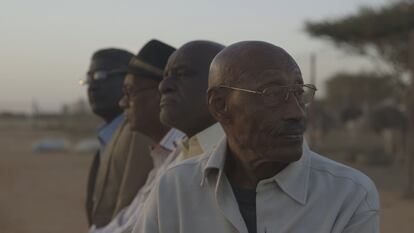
(251, 135)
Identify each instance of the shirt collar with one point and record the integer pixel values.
(106, 132)
(202, 141)
(293, 180)
(216, 158)
(165, 147)
(159, 154)
(170, 139)
(208, 137)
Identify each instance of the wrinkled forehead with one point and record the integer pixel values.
(176, 59)
(256, 64)
(190, 58)
(256, 79)
(104, 64)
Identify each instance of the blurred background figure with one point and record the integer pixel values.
(104, 81)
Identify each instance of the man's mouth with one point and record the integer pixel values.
(94, 94)
(166, 101)
(291, 137)
(288, 134)
(292, 130)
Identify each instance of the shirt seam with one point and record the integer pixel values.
(366, 190)
(339, 176)
(185, 163)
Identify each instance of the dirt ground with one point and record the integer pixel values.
(40, 193)
(44, 193)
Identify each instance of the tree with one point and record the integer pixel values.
(361, 90)
(386, 33)
(382, 33)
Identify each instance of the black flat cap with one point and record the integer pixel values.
(151, 60)
(114, 56)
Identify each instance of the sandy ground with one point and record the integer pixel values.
(44, 193)
(40, 193)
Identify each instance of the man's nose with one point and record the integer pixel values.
(123, 103)
(166, 85)
(294, 110)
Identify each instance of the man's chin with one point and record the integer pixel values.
(106, 110)
(293, 154)
(167, 117)
(97, 110)
(286, 155)
(133, 127)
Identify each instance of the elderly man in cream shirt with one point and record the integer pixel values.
(261, 177)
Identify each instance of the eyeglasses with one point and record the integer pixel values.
(100, 75)
(276, 95)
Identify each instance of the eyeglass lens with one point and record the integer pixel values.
(276, 95)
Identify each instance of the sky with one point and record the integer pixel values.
(46, 45)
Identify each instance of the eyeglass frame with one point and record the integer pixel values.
(262, 93)
(89, 77)
(129, 96)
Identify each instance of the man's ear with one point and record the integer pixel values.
(217, 105)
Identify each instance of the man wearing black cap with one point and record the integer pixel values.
(104, 80)
(141, 106)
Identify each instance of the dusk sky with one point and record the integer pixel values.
(46, 45)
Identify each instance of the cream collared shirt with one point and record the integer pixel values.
(312, 195)
(201, 142)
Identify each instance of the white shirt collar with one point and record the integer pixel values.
(208, 137)
(293, 180)
(170, 139)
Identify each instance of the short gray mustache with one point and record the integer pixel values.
(289, 128)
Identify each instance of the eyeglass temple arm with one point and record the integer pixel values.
(241, 89)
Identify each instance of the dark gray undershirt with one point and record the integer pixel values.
(246, 199)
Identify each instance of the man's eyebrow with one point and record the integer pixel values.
(271, 83)
(174, 68)
(278, 82)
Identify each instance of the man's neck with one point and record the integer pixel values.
(108, 118)
(246, 174)
(156, 133)
(191, 132)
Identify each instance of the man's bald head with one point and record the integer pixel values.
(183, 89)
(256, 91)
(248, 59)
(201, 53)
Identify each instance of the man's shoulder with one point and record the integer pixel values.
(192, 164)
(338, 172)
(186, 172)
